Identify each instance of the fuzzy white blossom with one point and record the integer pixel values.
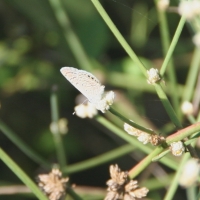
(144, 138)
(141, 136)
(190, 173)
(110, 97)
(177, 148)
(104, 104)
(189, 9)
(187, 108)
(163, 4)
(131, 130)
(85, 110)
(59, 126)
(62, 124)
(153, 76)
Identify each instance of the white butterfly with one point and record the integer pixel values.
(88, 85)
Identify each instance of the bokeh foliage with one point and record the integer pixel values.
(33, 48)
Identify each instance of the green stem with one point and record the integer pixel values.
(174, 184)
(70, 36)
(183, 133)
(138, 84)
(158, 152)
(192, 76)
(21, 175)
(165, 39)
(172, 46)
(191, 193)
(198, 195)
(106, 157)
(56, 134)
(21, 145)
(130, 139)
(144, 163)
(119, 36)
(73, 194)
(131, 123)
(167, 105)
(166, 151)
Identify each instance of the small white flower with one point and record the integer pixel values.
(59, 127)
(189, 9)
(190, 173)
(131, 130)
(80, 111)
(163, 4)
(196, 39)
(62, 124)
(144, 137)
(84, 111)
(54, 127)
(141, 136)
(177, 148)
(110, 97)
(91, 110)
(153, 76)
(196, 7)
(187, 108)
(104, 104)
(185, 9)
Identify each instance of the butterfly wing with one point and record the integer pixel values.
(85, 82)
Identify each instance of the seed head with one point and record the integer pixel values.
(53, 184)
(120, 187)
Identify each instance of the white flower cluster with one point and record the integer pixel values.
(187, 108)
(190, 173)
(85, 110)
(104, 104)
(153, 76)
(163, 4)
(177, 148)
(144, 137)
(189, 9)
(90, 109)
(141, 136)
(59, 127)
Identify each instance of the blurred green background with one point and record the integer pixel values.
(33, 48)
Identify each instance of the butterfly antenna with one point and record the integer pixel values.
(81, 104)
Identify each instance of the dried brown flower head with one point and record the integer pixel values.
(118, 178)
(120, 187)
(156, 140)
(53, 184)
